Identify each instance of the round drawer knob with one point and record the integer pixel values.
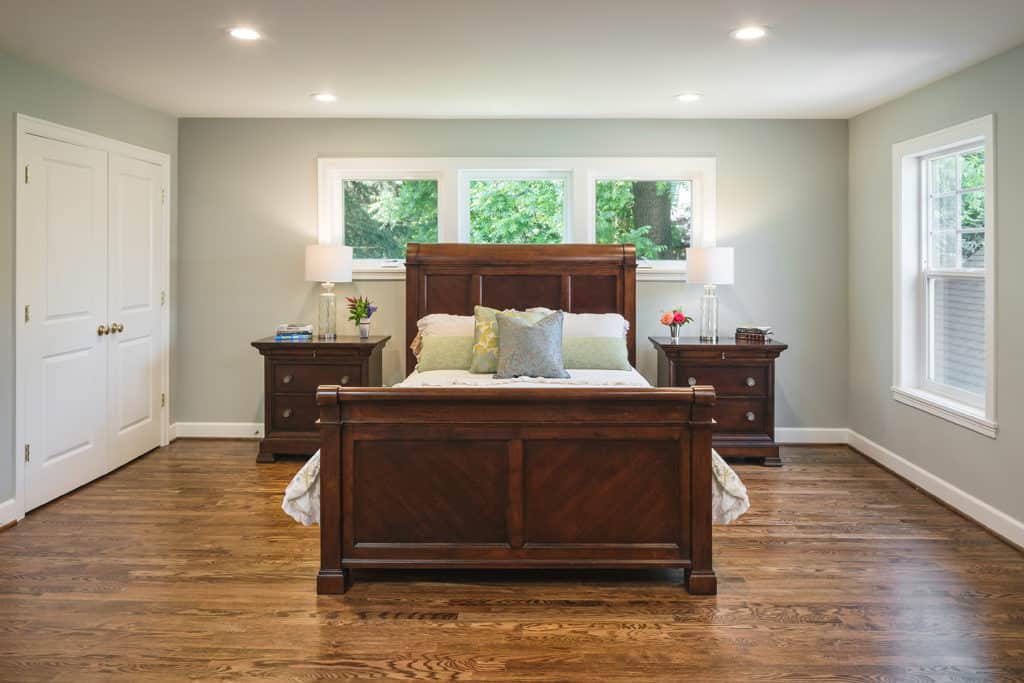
(344, 380)
(287, 379)
(751, 381)
(750, 417)
(287, 412)
(692, 381)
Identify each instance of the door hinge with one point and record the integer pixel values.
(163, 400)
(28, 452)
(163, 197)
(163, 297)
(27, 316)
(27, 176)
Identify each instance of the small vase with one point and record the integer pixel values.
(673, 330)
(364, 329)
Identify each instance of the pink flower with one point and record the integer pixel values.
(679, 318)
(666, 318)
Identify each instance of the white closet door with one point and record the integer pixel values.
(135, 235)
(65, 246)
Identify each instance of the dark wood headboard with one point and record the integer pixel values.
(577, 278)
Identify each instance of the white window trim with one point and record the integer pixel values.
(580, 173)
(910, 378)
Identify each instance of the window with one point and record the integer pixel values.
(378, 205)
(944, 358)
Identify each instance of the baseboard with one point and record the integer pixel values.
(9, 512)
(216, 430)
(996, 521)
(824, 435)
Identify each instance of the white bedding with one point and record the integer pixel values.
(729, 497)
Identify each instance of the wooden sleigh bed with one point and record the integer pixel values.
(600, 477)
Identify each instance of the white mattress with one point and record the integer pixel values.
(465, 378)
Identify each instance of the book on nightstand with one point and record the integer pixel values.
(293, 332)
(754, 334)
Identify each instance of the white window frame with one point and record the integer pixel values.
(913, 274)
(580, 174)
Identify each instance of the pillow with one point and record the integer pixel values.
(530, 348)
(486, 336)
(443, 324)
(591, 324)
(439, 352)
(595, 353)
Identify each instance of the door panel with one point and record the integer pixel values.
(65, 235)
(136, 228)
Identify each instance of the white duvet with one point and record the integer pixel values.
(729, 497)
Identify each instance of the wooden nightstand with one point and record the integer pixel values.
(293, 371)
(743, 375)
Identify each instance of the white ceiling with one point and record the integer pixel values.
(510, 58)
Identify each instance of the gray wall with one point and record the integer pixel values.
(32, 90)
(991, 470)
(248, 191)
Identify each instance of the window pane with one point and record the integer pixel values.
(943, 175)
(972, 210)
(972, 249)
(655, 215)
(972, 169)
(382, 216)
(944, 213)
(944, 247)
(516, 211)
(958, 333)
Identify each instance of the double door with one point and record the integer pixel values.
(90, 271)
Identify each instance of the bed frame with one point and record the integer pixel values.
(515, 478)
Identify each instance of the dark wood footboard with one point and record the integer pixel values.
(510, 478)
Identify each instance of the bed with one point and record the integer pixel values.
(617, 475)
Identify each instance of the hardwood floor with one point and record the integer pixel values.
(182, 565)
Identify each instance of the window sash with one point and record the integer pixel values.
(928, 202)
(929, 357)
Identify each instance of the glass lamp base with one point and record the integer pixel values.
(709, 315)
(328, 313)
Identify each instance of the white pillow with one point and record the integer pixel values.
(446, 325)
(591, 324)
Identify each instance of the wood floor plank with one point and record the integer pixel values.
(182, 566)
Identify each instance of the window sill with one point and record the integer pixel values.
(397, 273)
(952, 411)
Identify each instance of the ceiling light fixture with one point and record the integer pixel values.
(244, 33)
(689, 97)
(324, 97)
(749, 33)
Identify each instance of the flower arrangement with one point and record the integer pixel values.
(675, 319)
(360, 309)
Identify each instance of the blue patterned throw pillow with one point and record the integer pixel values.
(530, 349)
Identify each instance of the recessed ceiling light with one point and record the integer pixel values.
(244, 33)
(749, 33)
(689, 97)
(324, 97)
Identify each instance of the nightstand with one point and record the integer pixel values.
(743, 375)
(292, 372)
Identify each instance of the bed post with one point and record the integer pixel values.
(331, 579)
(700, 579)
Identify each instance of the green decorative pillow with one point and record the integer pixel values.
(485, 336)
(595, 353)
(445, 353)
(530, 349)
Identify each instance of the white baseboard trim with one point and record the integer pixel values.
(217, 430)
(797, 435)
(978, 510)
(9, 511)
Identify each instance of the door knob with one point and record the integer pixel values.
(119, 326)
(692, 381)
(344, 380)
(286, 413)
(102, 330)
(750, 417)
(751, 381)
(287, 379)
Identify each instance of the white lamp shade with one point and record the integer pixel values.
(709, 265)
(328, 263)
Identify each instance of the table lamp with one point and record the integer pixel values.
(709, 266)
(327, 264)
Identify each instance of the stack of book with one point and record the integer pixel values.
(754, 334)
(294, 332)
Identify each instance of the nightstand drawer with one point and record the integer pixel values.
(728, 380)
(738, 415)
(294, 413)
(305, 378)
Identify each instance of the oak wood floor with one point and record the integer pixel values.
(182, 566)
